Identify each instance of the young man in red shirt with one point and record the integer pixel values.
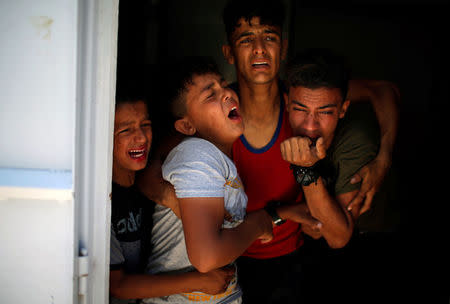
(256, 48)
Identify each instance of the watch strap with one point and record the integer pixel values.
(271, 210)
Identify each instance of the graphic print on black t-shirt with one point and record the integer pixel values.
(131, 221)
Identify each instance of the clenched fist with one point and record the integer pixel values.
(302, 152)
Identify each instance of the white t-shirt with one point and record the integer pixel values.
(196, 168)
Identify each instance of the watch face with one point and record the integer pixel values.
(305, 176)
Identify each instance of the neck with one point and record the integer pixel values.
(226, 149)
(123, 178)
(259, 102)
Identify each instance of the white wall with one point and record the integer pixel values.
(37, 115)
(57, 84)
(37, 83)
(36, 255)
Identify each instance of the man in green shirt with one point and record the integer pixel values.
(332, 141)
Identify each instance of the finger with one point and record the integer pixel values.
(283, 150)
(266, 238)
(304, 151)
(287, 150)
(355, 179)
(367, 203)
(356, 201)
(295, 149)
(320, 148)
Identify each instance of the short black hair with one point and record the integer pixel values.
(270, 12)
(317, 68)
(182, 73)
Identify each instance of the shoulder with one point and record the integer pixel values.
(358, 129)
(193, 149)
(196, 154)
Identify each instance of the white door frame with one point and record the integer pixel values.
(96, 82)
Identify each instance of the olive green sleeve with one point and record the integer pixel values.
(355, 144)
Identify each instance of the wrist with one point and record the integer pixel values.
(305, 175)
(272, 210)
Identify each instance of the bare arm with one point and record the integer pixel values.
(337, 222)
(208, 245)
(139, 286)
(384, 97)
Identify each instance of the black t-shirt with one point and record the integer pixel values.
(131, 224)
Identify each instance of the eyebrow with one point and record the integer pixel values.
(207, 87)
(211, 84)
(330, 105)
(130, 122)
(250, 33)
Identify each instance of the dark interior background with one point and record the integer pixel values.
(397, 40)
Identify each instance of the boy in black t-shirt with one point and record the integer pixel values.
(131, 218)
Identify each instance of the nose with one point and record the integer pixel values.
(228, 95)
(259, 46)
(311, 124)
(140, 136)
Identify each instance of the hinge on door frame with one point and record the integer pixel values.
(83, 272)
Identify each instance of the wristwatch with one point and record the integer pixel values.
(305, 175)
(271, 210)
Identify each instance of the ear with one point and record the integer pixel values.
(228, 53)
(284, 49)
(344, 108)
(184, 126)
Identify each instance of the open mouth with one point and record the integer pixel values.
(137, 153)
(234, 114)
(262, 64)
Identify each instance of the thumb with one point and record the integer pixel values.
(320, 148)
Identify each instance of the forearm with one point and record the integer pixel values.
(139, 286)
(226, 245)
(384, 97)
(337, 223)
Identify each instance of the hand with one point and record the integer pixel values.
(372, 176)
(300, 151)
(312, 232)
(266, 226)
(216, 281)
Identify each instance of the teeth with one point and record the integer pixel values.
(136, 153)
(233, 108)
(259, 63)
